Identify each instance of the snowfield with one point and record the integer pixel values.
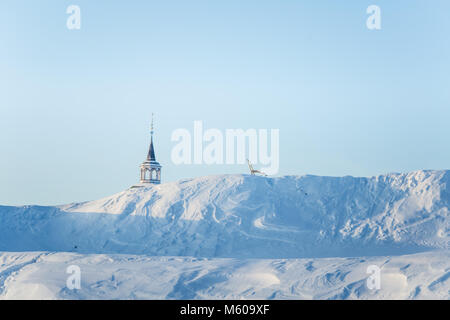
(237, 237)
(43, 276)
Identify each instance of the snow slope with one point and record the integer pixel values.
(244, 216)
(42, 275)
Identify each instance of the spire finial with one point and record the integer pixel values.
(151, 128)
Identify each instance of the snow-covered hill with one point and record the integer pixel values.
(247, 217)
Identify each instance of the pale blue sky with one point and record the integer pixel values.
(75, 106)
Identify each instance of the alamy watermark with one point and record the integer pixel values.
(233, 146)
(373, 282)
(74, 280)
(373, 22)
(74, 20)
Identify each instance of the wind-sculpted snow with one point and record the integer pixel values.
(37, 275)
(246, 217)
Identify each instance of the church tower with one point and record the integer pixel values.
(150, 168)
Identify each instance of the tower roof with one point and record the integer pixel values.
(151, 151)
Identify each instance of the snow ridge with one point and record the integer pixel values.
(246, 216)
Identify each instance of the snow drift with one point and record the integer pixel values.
(246, 217)
(42, 275)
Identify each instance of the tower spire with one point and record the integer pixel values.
(151, 150)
